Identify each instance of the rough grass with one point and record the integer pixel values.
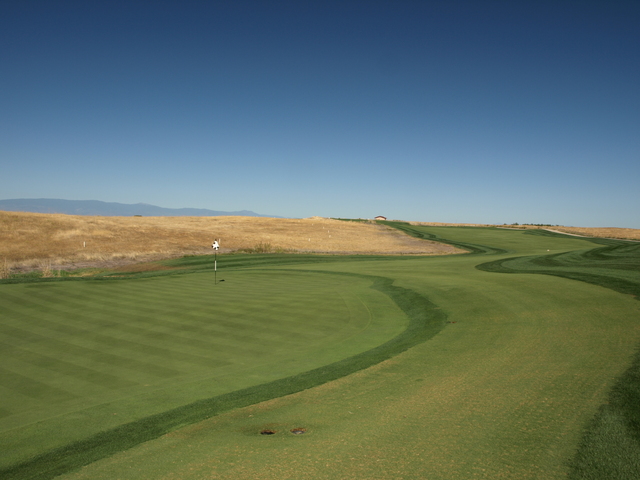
(610, 447)
(69, 241)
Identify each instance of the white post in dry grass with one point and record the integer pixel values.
(5, 269)
(45, 267)
(216, 246)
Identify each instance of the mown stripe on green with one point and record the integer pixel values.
(26, 336)
(76, 371)
(32, 388)
(85, 328)
(426, 320)
(203, 343)
(119, 322)
(147, 348)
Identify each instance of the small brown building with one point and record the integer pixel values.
(380, 217)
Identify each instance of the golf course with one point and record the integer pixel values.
(516, 360)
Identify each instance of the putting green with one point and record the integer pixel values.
(81, 357)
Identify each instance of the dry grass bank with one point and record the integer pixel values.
(34, 240)
(441, 224)
(604, 232)
(600, 232)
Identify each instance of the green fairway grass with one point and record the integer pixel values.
(396, 367)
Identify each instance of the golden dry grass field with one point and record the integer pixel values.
(599, 232)
(604, 232)
(32, 240)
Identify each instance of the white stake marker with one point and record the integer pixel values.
(215, 247)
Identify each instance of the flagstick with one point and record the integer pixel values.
(215, 246)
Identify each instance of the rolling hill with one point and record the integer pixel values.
(111, 209)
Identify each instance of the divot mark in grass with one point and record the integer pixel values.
(268, 432)
(299, 431)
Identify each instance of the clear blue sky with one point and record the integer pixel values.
(448, 111)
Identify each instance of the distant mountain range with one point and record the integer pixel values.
(111, 209)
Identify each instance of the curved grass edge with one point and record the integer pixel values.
(610, 443)
(617, 284)
(192, 264)
(472, 248)
(425, 321)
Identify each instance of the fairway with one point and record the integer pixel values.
(395, 367)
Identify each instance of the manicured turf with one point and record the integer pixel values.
(505, 389)
(82, 357)
(611, 446)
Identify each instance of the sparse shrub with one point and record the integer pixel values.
(263, 247)
(285, 250)
(45, 269)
